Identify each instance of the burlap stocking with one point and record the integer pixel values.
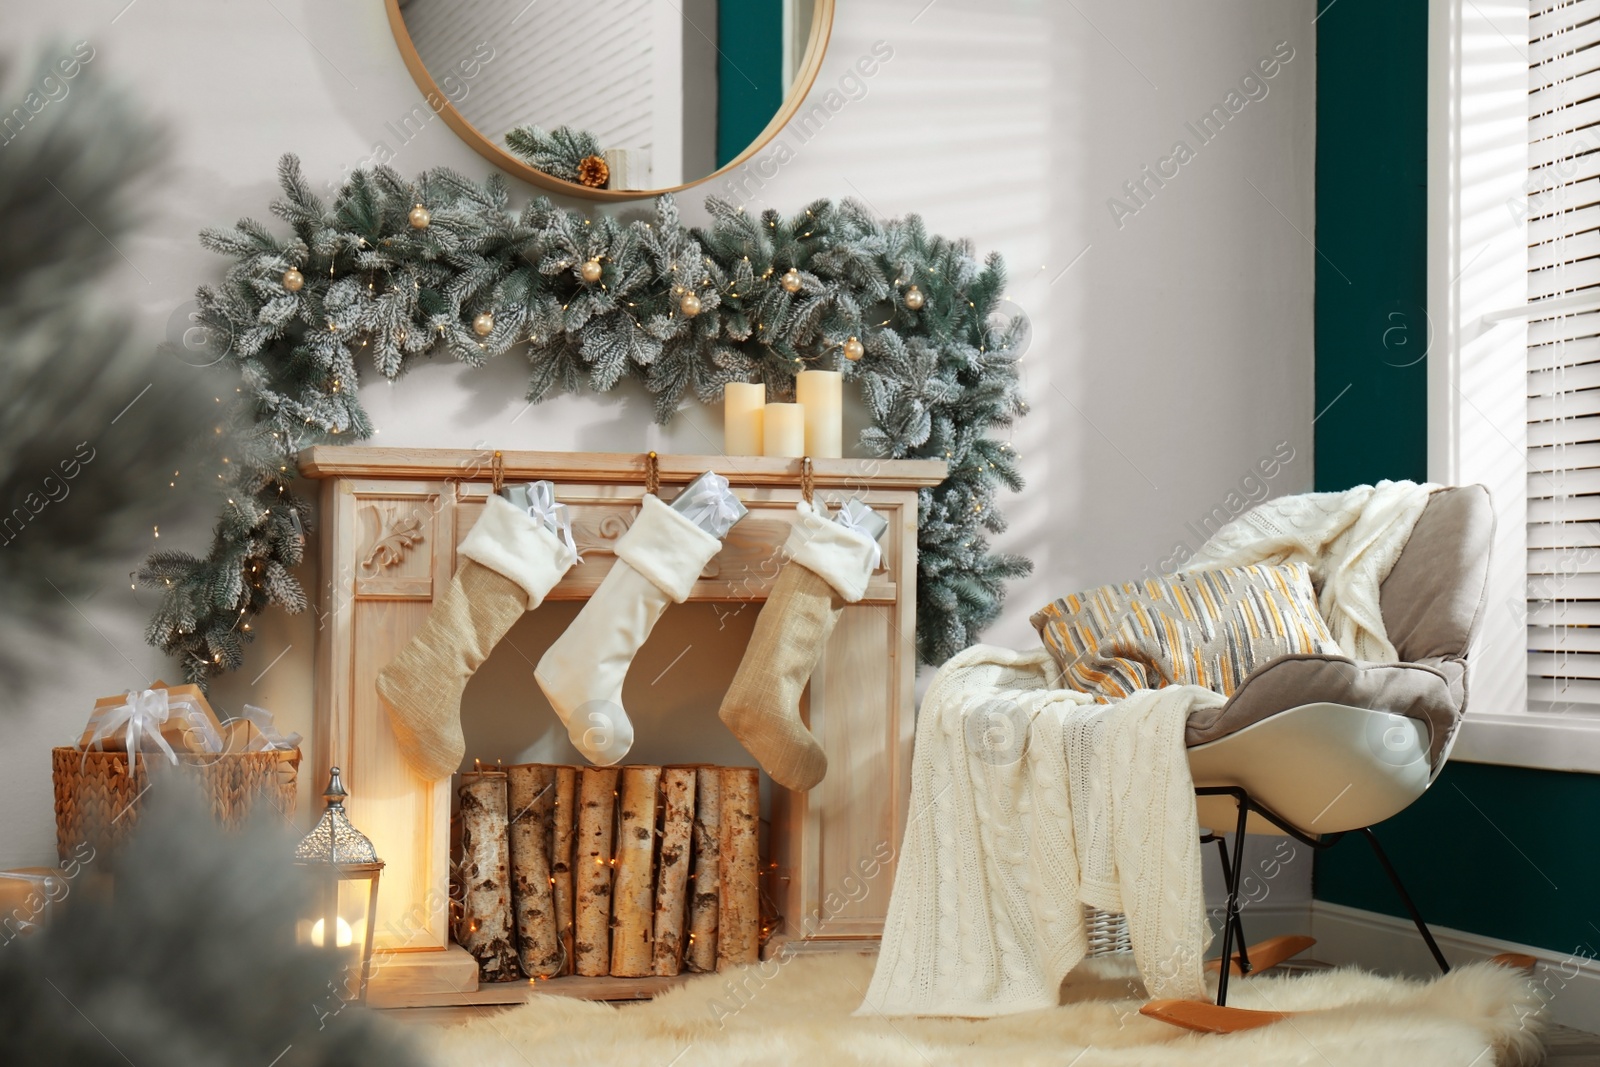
(828, 568)
(510, 561)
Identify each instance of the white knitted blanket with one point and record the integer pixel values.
(1029, 802)
(1350, 540)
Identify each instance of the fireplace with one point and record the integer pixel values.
(390, 523)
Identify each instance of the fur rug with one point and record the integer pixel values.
(799, 1012)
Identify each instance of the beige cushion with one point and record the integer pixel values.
(1208, 628)
(1433, 597)
(1431, 693)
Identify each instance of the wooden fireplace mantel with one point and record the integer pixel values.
(340, 461)
(390, 522)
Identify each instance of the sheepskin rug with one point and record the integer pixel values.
(799, 1012)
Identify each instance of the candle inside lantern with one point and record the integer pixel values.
(343, 936)
(821, 393)
(741, 418)
(784, 430)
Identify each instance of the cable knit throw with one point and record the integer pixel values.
(1349, 539)
(1029, 802)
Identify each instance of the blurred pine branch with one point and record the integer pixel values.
(93, 419)
(189, 962)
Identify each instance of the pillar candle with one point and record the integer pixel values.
(784, 430)
(821, 393)
(741, 418)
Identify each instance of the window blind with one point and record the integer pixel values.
(1563, 375)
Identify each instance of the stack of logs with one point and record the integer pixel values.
(625, 871)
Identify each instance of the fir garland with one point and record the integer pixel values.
(558, 153)
(371, 276)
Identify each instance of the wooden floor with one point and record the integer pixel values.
(443, 1016)
(1570, 1048)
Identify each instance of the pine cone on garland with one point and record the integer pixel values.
(593, 172)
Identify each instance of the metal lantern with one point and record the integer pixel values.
(344, 869)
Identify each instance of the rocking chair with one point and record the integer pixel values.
(1317, 747)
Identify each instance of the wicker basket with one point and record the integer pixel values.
(95, 794)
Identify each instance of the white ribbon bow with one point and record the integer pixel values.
(709, 503)
(142, 715)
(557, 518)
(850, 520)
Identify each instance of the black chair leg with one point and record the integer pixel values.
(1405, 898)
(1232, 922)
(1238, 916)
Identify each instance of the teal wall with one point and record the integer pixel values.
(1503, 851)
(749, 72)
(1372, 135)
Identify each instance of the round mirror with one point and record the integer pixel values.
(612, 99)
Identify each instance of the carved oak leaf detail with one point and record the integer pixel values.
(394, 537)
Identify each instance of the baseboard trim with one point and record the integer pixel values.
(1568, 982)
(1261, 920)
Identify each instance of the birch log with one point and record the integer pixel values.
(597, 804)
(739, 896)
(633, 897)
(566, 825)
(701, 952)
(672, 877)
(530, 790)
(485, 929)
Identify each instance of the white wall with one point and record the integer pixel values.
(701, 87)
(1169, 355)
(594, 74)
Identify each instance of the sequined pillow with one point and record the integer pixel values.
(1208, 628)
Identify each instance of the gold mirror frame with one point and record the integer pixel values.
(816, 47)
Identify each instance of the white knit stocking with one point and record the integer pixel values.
(658, 560)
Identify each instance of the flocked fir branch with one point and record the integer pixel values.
(557, 153)
(393, 268)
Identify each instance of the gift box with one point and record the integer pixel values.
(163, 718)
(27, 897)
(98, 790)
(710, 504)
(254, 731)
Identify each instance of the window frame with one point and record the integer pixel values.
(1477, 262)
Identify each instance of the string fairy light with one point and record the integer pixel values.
(627, 300)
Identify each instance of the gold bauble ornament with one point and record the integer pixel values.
(790, 281)
(590, 271)
(854, 350)
(293, 280)
(420, 217)
(689, 305)
(915, 299)
(483, 324)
